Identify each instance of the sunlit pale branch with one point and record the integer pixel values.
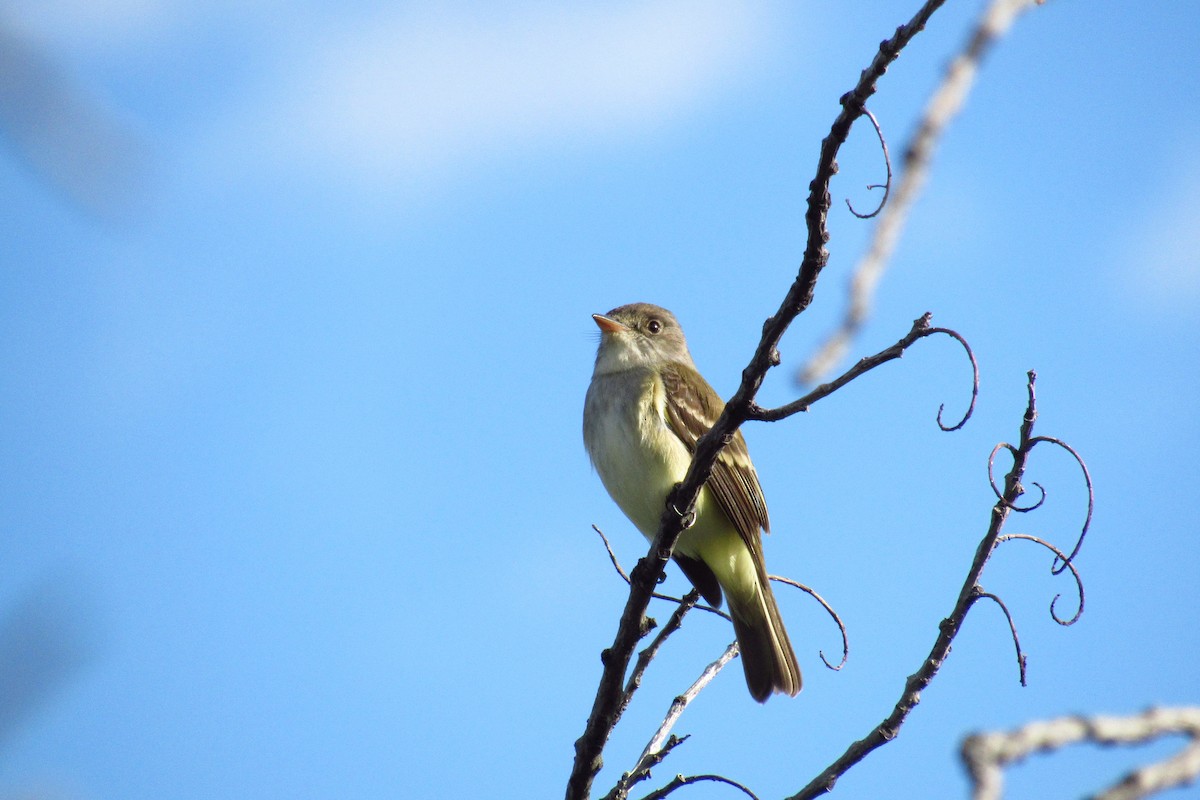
(945, 103)
(662, 742)
(987, 754)
(681, 702)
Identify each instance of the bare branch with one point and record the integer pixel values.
(945, 103)
(974, 382)
(987, 754)
(610, 700)
(682, 701)
(612, 556)
(920, 329)
(663, 741)
(950, 626)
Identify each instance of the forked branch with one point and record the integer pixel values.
(920, 329)
(663, 741)
(610, 697)
(1007, 503)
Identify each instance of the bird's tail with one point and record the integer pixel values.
(767, 656)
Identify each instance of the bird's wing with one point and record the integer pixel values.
(692, 408)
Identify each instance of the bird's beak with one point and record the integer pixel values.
(608, 325)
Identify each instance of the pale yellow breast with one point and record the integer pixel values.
(636, 455)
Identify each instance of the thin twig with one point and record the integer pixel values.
(1059, 556)
(829, 609)
(1012, 627)
(612, 556)
(1087, 522)
(679, 781)
(920, 329)
(642, 771)
(887, 161)
(647, 655)
(1000, 493)
(682, 701)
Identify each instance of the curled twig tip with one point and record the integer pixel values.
(1059, 556)
(920, 329)
(833, 614)
(887, 160)
(1087, 479)
(958, 337)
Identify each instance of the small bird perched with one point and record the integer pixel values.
(645, 409)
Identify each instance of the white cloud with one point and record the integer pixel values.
(410, 95)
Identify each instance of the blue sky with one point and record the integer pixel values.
(290, 462)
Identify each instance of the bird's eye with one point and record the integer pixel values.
(654, 326)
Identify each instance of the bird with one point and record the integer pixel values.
(645, 409)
